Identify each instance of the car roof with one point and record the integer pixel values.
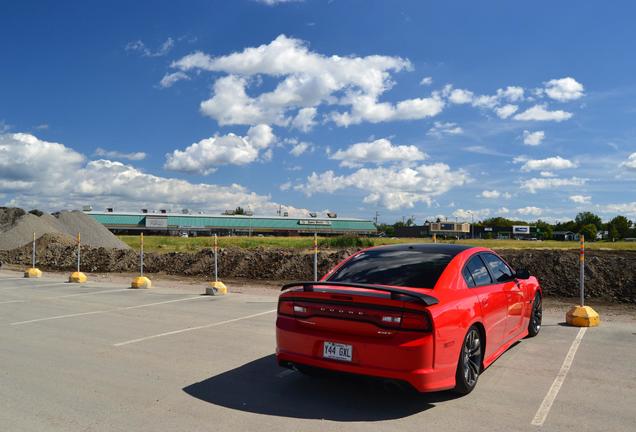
(443, 248)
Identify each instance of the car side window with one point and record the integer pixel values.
(498, 269)
(468, 278)
(478, 271)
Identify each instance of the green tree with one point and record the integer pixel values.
(566, 226)
(239, 211)
(589, 231)
(586, 218)
(388, 230)
(613, 232)
(544, 229)
(497, 222)
(621, 226)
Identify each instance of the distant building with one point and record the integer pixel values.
(565, 236)
(168, 223)
(519, 232)
(440, 229)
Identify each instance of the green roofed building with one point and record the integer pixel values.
(208, 224)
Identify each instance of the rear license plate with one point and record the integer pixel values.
(336, 351)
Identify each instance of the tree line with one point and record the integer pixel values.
(586, 223)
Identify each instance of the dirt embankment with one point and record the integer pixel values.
(610, 275)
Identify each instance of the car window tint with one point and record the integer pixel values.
(407, 268)
(468, 278)
(498, 269)
(478, 271)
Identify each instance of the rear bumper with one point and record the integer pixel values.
(402, 356)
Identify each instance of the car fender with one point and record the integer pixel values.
(451, 324)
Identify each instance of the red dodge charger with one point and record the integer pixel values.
(431, 315)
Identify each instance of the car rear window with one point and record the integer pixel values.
(406, 268)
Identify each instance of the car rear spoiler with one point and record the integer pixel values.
(420, 297)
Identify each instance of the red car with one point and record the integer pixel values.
(431, 315)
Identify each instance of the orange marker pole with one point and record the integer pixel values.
(141, 255)
(33, 253)
(78, 251)
(316, 256)
(216, 262)
(582, 270)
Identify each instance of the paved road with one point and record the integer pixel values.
(99, 357)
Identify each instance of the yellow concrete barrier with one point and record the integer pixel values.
(77, 277)
(32, 273)
(582, 316)
(216, 288)
(141, 282)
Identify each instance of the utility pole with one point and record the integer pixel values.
(376, 217)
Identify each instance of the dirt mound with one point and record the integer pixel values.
(610, 275)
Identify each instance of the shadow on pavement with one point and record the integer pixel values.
(259, 387)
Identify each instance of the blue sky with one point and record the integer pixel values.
(462, 110)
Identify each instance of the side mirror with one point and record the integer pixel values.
(522, 274)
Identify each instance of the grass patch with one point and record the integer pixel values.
(165, 244)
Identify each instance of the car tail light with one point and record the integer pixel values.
(416, 321)
(398, 319)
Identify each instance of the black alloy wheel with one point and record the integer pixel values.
(469, 365)
(535, 318)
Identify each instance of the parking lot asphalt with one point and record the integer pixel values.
(101, 357)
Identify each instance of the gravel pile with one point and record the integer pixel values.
(21, 232)
(17, 228)
(92, 232)
(9, 216)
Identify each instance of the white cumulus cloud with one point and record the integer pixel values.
(299, 148)
(628, 209)
(378, 152)
(506, 111)
(533, 138)
(26, 161)
(393, 187)
(441, 128)
(535, 184)
(581, 199)
(52, 176)
(307, 80)
(564, 89)
(471, 215)
(205, 156)
(551, 163)
(530, 211)
(540, 112)
(494, 194)
(630, 163)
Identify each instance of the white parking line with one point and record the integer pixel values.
(548, 400)
(12, 301)
(193, 328)
(38, 285)
(106, 310)
(87, 293)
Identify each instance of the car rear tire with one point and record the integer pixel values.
(534, 326)
(469, 363)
